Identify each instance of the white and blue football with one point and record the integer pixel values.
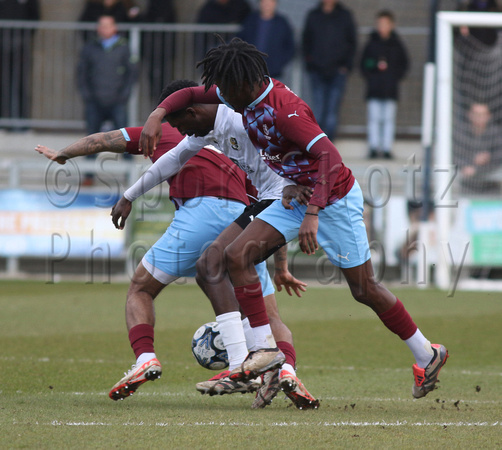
(208, 348)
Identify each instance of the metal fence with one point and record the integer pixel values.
(39, 59)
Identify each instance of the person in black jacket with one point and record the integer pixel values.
(158, 48)
(272, 34)
(329, 46)
(223, 11)
(120, 10)
(16, 58)
(383, 64)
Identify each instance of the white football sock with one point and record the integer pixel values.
(421, 349)
(233, 337)
(144, 357)
(248, 332)
(264, 337)
(289, 368)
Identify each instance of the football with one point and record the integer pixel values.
(208, 349)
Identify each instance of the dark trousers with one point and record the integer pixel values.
(327, 93)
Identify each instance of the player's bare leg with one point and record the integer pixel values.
(430, 358)
(212, 276)
(143, 290)
(140, 320)
(367, 290)
(214, 281)
(253, 245)
(248, 248)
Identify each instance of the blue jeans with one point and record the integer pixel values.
(381, 123)
(327, 95)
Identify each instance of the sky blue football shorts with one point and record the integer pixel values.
(195, 226)
(341, 233)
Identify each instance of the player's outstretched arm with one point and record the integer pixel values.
(168, 165)
(282, 275)
(111, 141)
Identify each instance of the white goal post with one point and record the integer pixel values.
(449, 252)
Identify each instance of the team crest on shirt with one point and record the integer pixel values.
(266, 132)
(234, 143)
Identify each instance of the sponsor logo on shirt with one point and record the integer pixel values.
(242, 165)
(267, 157)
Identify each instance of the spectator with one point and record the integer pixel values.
(219, 12)
(272, 34)
(106, 75)
(158, 47)
(16, 58)
(478, 151)
(223, 11)
(120, 10)
(159, 11)
(383, 64)
(329, 45)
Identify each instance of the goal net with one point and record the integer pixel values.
(468, 147)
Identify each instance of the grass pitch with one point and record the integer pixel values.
(64, 345)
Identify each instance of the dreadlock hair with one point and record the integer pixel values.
(173, 87)
(233, 64)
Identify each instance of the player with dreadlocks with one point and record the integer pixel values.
(235, 66)
(287, 137)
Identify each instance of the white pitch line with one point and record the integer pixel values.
(324, 368)
(347, 423)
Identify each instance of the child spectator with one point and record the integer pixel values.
(383, 64)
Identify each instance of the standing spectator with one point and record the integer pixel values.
(223, 11)
(158, 47)
(106, 75)
(477, 151)
(219, 12)
(329, 46)
(383, 64)
(272, 34)
(120, 10)
(16, 58)
(159, 11)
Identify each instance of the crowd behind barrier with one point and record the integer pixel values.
(42, 78)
